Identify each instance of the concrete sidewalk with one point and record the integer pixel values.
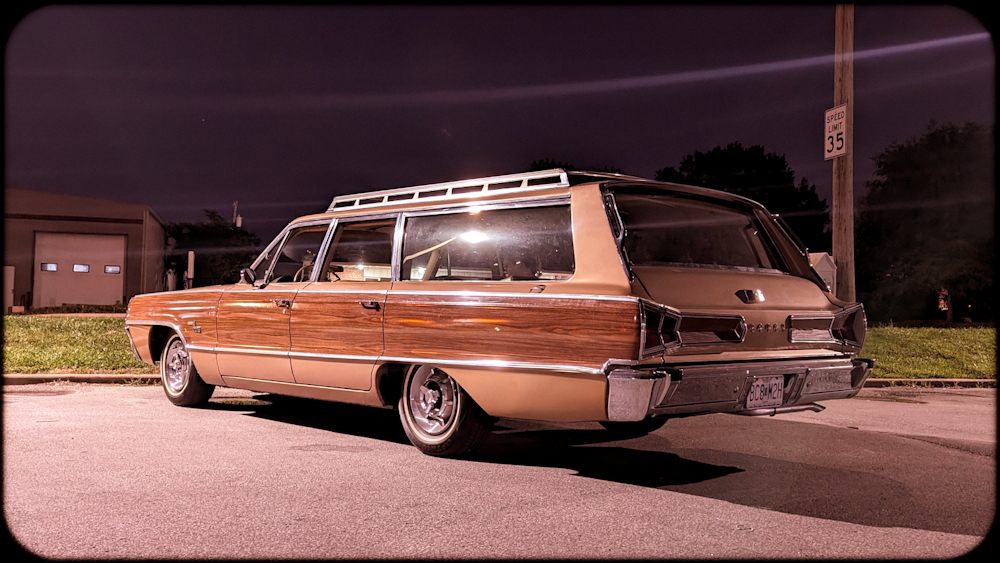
(151, 378)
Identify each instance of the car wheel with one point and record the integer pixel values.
(180, 380)
(624, 430)
(438, 416)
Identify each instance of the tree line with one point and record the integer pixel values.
(924, 230)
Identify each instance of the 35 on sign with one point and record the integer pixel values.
(835, 125)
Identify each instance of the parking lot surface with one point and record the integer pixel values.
(95, 471)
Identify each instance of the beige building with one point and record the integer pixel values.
(62, 249)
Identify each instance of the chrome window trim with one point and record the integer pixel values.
(321, 289)
(464, 207)
(473, 293)
(336, 222)
(281, 236)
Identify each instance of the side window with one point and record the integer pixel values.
(360, 251)
(530, 243)
(294, 258)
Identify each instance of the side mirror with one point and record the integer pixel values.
(248, 275)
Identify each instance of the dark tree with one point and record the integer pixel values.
(548, 164)
(925, 228)
(764, 177)
(220, 248)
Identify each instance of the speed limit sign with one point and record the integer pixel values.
(835, 132)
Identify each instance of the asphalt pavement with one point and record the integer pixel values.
(116, 471)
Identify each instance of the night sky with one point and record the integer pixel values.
(188, 108)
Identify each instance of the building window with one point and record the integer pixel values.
(112, 269)
(49, 267)
(81, 268)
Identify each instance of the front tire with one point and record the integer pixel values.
(181, 382)
(438, 416)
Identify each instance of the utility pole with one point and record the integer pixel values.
(843, 166)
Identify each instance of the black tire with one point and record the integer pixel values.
(181, 382)
(438, 416)
(624, 430)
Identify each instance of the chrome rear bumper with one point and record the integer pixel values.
(685, 390)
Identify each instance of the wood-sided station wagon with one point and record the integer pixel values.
(553, 295)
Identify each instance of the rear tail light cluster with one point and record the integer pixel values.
(850, 325)
(846, 327)
(665, 328)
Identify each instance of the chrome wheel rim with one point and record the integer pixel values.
(433, 400)
(176, 367)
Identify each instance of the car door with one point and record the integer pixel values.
(253, 319)
(336, 322)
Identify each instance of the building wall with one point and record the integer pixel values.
(28, 212)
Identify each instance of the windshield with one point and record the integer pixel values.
(674, 230)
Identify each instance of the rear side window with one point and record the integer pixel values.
(666, 230)
(528, 243)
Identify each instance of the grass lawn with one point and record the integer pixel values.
(41, 344)
(932, 352)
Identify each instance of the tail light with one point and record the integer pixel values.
(664, 329)
(847, 327)
(850, 325)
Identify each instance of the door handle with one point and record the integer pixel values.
(370, 305)
(283, 303)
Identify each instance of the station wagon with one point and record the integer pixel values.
(550, 296)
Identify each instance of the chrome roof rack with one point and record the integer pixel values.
(554, 178)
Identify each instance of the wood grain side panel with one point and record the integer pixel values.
(252, 320)
(559, 331)
(336, 323)
(188, 310)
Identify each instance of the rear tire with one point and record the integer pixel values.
(180, 380)
(625, 430)
(438, 416)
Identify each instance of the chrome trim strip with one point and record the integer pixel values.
(471, 293)
(324, 247)
(169, 324)
(323, 289)
(319, 356)
(493, 364)
(782, 410)
(225, 350)
(132, 345)
(449, 187)
(404, 359)
(397, 247)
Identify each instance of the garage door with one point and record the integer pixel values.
(78, 269)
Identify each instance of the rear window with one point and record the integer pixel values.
(669, 230)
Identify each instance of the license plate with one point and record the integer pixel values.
(766, 392)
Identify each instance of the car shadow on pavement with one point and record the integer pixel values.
(788, 485)
(343, 418)
(598, 455)
(794, 482)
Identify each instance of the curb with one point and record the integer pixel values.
(30, 378)
(119, 378)
(931, 382)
